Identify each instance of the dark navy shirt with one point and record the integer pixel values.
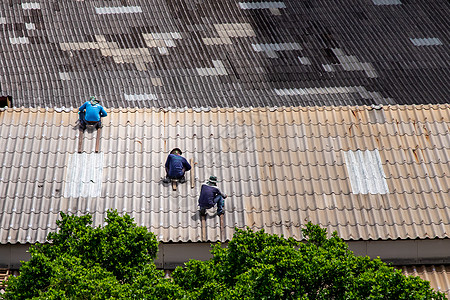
(207, 195)
(175, 164)
(93, 112)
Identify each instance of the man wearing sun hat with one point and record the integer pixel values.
(91, 112)
(210, 195)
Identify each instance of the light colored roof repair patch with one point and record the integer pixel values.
(366, 172)
(84, 175)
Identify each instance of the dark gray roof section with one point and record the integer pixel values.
(225, 53)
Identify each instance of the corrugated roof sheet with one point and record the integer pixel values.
(282, 167)
(438, 276)
(224, 53)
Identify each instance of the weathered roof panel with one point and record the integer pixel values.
(437, 275)
(172, 53)
(368, 173)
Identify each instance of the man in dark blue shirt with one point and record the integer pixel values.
(176, 166)
(210, 195)
(91, 112)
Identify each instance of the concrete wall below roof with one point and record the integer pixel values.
(176, 254)
(12, 254)
(171, 255)
(405, 252)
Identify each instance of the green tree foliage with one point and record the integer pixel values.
(116, 262)
(256, 265)
(85, 262)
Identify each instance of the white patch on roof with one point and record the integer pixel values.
(19, 40)
(137, 56)
(426, 41)
(218, 69)
(64, 76)
(140, 97)
(366, 172)
(118, 10)
(165, 35)
(304, 60)
(386, 2)
(30, 26)
(261, 5)
(2, 20)
(84, 175)
(226, 31)
(352, 63)
(328, 67)
(276, 47)
(161, 40)
(270, 49)
(332, 90)
(31, 5)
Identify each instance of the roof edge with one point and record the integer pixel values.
(250, 108)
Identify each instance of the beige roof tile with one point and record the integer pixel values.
(281, 167)
(437, 275)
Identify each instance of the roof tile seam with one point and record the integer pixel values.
(145, 124)
(148, 226)
(264, 194)
(385, 107)
(243, 179)
(421, 162)
(208, 136)
(343, 209)
(234, 210)
(263, 150)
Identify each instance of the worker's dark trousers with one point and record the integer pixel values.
(83, 122)
(220, 204)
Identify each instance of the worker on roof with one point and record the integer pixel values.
(210, 195)
(176, 166)
(91, 113)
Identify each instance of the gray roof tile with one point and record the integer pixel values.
(58, 58)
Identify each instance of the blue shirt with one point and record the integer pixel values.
(93, 112)
(176, 164)
(207, 195)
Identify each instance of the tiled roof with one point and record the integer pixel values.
(438, 276)
(368, 172)
(224, 53)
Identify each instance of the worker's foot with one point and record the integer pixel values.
(82, 126)
(202, 211)
(98, 126)
(220, 212)
(182, 179)
(166, 180)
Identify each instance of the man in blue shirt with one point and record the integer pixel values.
(176, 166)
(91, 112)
(210, 195)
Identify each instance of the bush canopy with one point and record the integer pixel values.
(116, 261)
